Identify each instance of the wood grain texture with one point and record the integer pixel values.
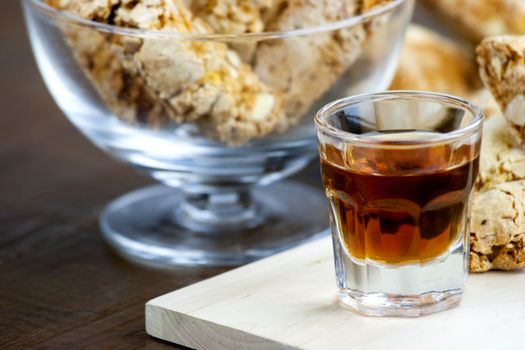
(60, 287)
(289, 302)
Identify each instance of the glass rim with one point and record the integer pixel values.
(134, 32)
(324, 127)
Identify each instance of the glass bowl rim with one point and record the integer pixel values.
(113, 29)
(366, 141)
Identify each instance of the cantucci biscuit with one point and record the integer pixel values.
(236, 17)
(193, 81)
(431, 62)
(502, 158)
(304, 68)
(497, 239)
(502, 68)
(477, 19)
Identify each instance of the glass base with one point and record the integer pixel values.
(375, 289)
(379, 304)
(145, 227)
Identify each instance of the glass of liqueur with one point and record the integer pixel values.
(398, 170)
(198, 100)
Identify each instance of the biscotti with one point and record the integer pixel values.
(477, 19)
(502, 68)
(193, 81)
(497, 239)
(304, 68)
(431, 62)
(233, 91)
(236, 17)
(498, 217)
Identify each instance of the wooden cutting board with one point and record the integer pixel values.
(288, 301)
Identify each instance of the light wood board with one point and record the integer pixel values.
(289, 302)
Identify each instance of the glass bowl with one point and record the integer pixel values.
(217, 119)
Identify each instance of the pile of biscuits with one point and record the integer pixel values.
(234, 91)
(485, 63)
(237, 91)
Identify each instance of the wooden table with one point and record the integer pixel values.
(60, 286)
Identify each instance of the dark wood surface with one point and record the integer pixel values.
(60, 286)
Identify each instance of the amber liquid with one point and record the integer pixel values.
(399, 206)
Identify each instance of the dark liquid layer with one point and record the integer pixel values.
(392, 218)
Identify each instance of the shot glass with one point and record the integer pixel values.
(398, 170)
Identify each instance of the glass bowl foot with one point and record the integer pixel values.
(145, 226)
